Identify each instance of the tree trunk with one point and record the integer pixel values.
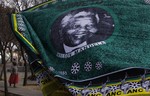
(3, 54)
(2, 71)
(25, 66)
(32, 73)
(11, 55)
(1, 74)
(5, 75)
(25, 75)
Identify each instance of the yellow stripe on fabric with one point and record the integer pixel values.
(15, 28)
(41, 5)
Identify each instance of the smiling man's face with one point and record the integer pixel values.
(79, 30)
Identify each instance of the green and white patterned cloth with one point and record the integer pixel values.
(87, 44)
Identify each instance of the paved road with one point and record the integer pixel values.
(23, 91)
(33, 90)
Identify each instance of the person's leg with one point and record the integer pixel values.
(14, 85)
(15, 80)
(10, 80)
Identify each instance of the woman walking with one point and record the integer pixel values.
(13, 79)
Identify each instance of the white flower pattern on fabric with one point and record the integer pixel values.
(135, 85)
(75, 68)
(88, 66)
(98, 65)
(114, 88)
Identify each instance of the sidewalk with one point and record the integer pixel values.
(30, 90)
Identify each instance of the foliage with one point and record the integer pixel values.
(7, 38)
(20, 5)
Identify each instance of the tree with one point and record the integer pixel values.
(20, 5)
(6, 36)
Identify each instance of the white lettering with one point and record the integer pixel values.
(67, 55)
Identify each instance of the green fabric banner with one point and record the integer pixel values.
(88, 44)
